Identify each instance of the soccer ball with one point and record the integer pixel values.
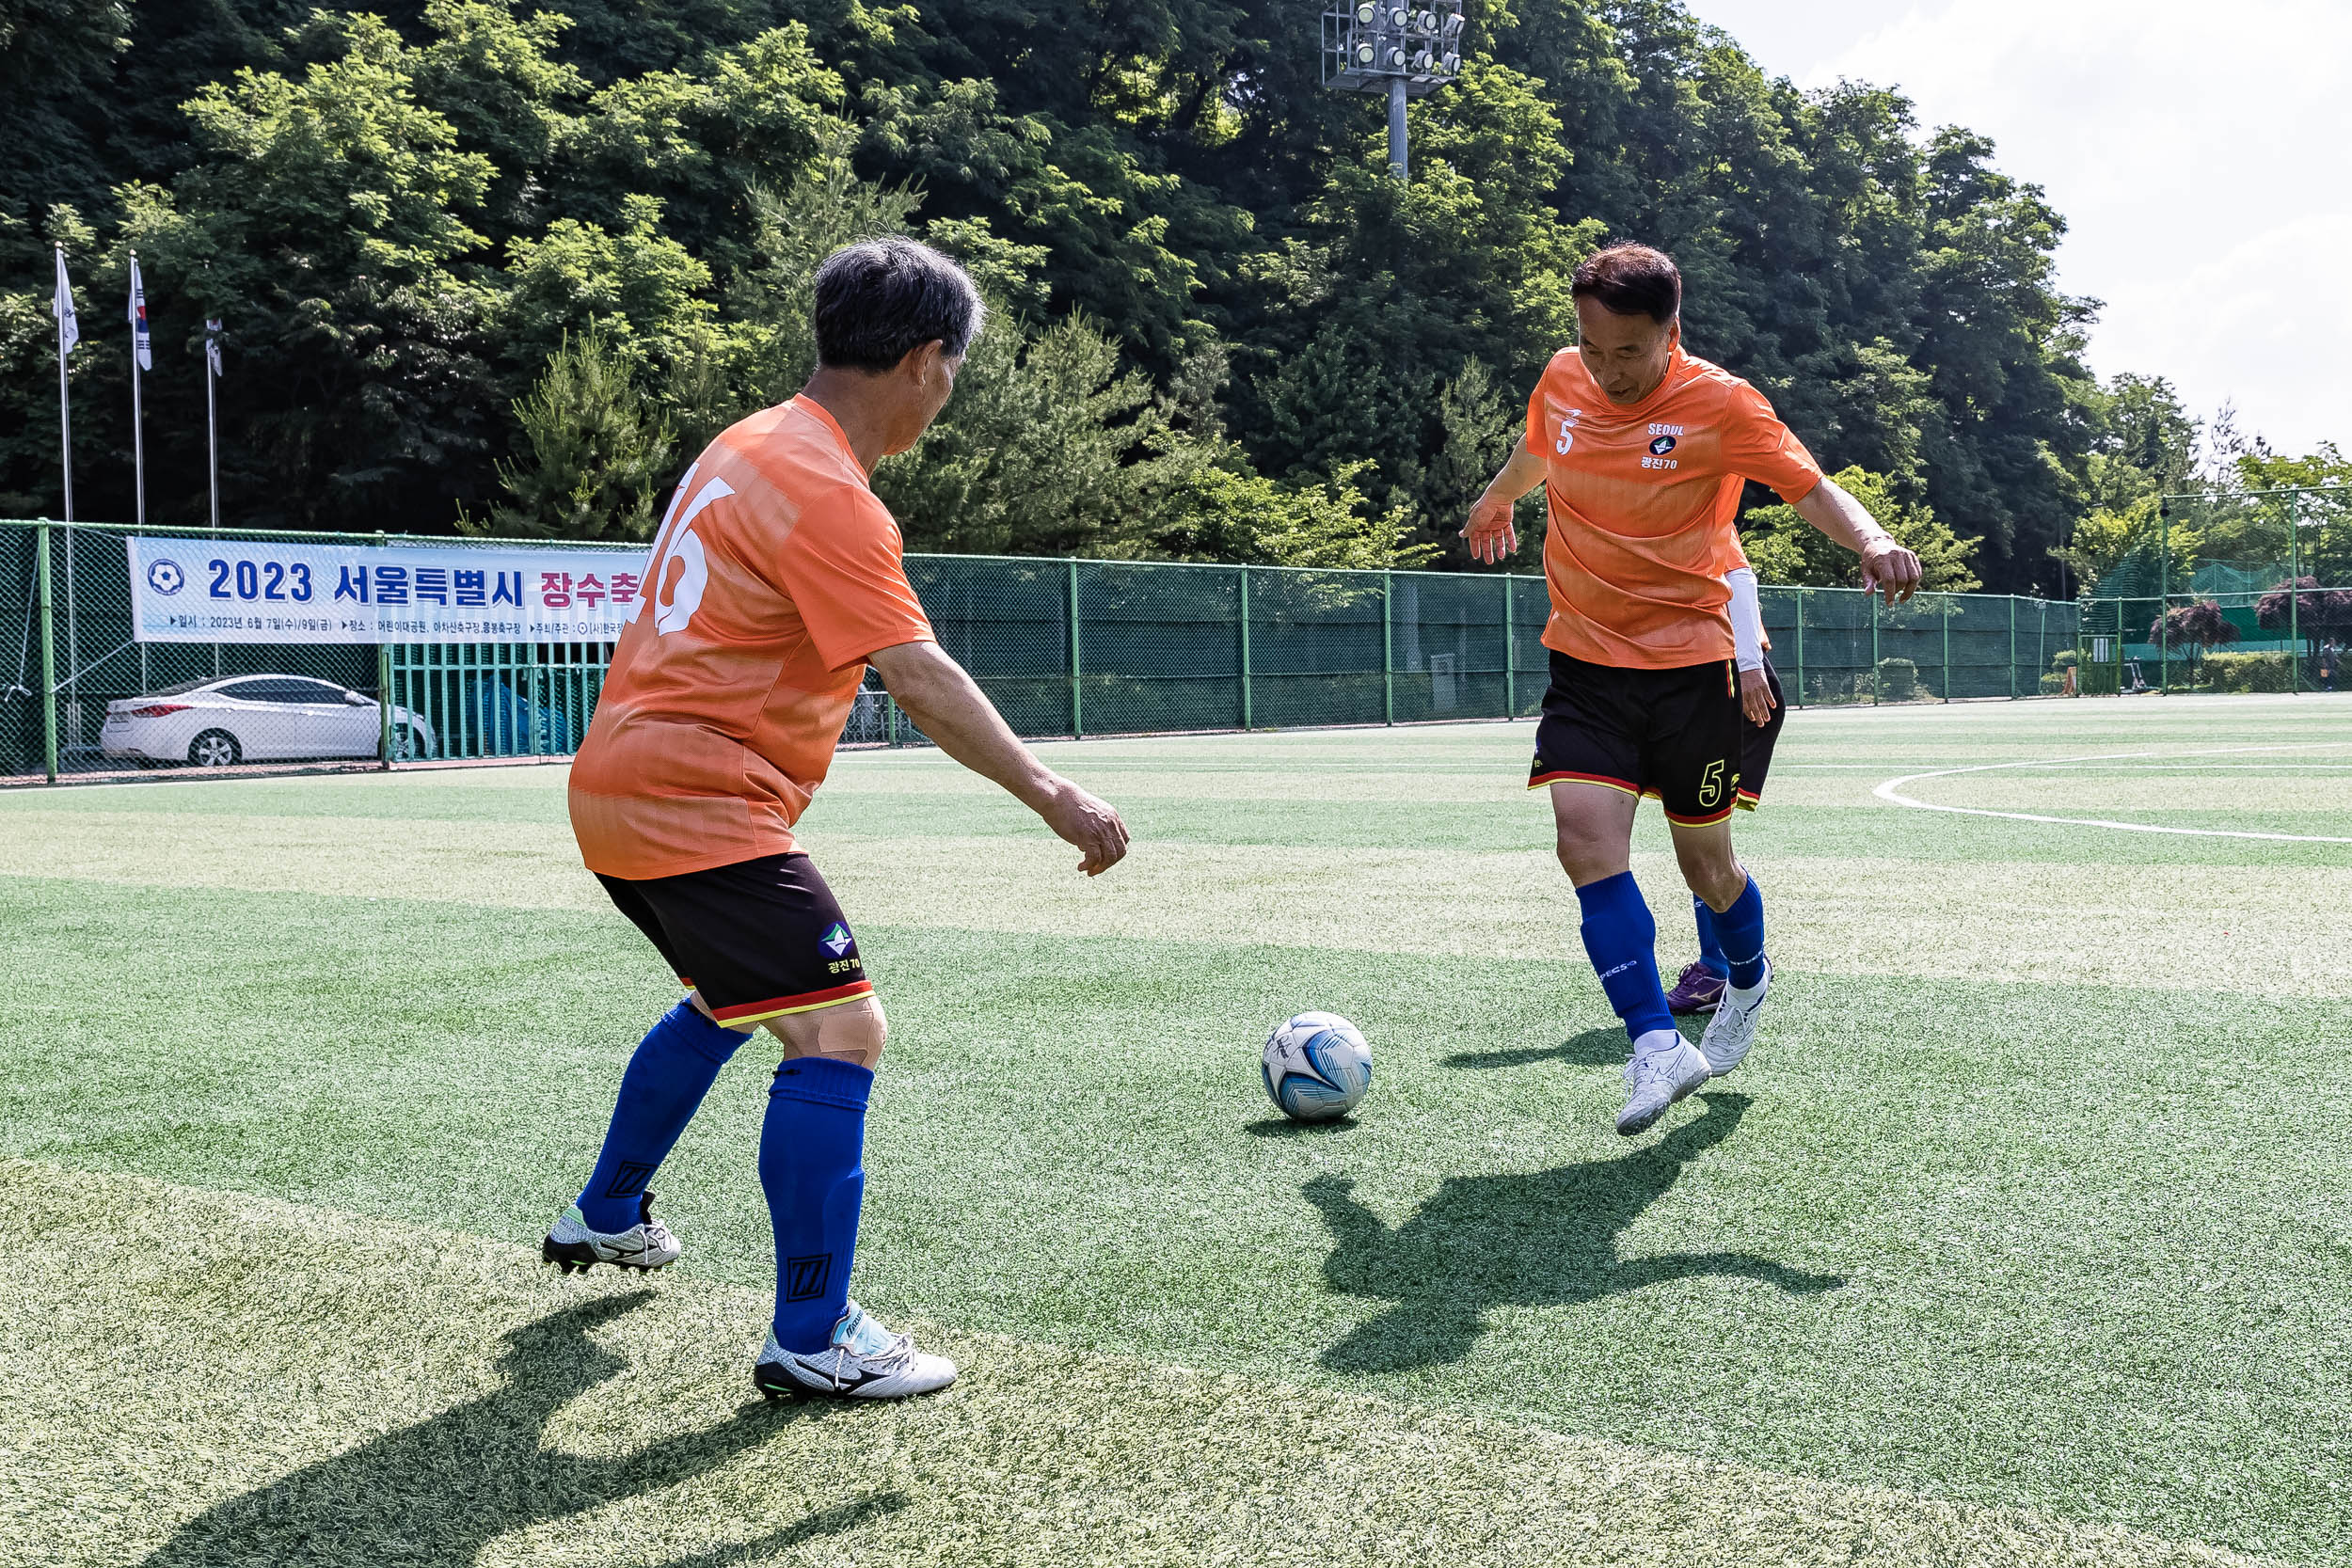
(1317, 1067)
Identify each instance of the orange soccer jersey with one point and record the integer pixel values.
(776, 573)
(1641, 501)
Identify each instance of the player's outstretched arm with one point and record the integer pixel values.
(1886, 564)
(948, 705)
(1490, 533)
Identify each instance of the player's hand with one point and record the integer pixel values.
(1888, 566)
(1756, 697)
(1088, 822)
(1489, 534)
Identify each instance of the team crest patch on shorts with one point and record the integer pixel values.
(838, 940)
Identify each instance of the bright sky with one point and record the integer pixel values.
(2201, 153)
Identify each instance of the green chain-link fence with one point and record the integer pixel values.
(2202, 603)
(1063, 647)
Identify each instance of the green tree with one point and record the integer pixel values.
(1205, 504)
(1784, 548)
(1032, 455)
(600, 455)
(327, 214)
(2322, 515)
(401, 214)
(2144, 448)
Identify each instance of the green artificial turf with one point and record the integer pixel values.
(349, 1393)
(1983, 1221)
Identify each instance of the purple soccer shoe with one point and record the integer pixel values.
(1699, 990)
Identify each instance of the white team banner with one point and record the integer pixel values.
(216, 591)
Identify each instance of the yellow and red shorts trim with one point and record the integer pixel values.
(1540, 780)
(779, 1006)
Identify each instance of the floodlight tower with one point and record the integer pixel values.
(1404, 51)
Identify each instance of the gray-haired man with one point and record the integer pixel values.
(776, 579)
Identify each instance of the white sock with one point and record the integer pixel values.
(1747, 995)
(1658, 1040)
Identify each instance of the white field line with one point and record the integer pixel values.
(1892, 790)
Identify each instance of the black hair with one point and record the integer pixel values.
(879, 301)
(1632, 280)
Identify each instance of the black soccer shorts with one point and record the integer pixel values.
(1756, 741)
(1674, 733)
(759, 939)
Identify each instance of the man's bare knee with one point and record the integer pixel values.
(1587, 862)
(1710, 867)
(1592, 829)
(853, 1032)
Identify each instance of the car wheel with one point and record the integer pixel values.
(407, 744)
(215, 749)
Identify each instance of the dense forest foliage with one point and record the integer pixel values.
(504, 269)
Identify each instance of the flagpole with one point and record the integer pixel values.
(138, 423)
(65, 405)
(212, 426)
(212, 434)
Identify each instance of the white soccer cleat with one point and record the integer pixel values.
(1665, 1067)
(645, 1246)
(1732, 1030)
(864, 1361)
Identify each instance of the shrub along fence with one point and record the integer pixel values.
(1063, 647)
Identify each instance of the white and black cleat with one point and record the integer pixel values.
(645, 1246)
(864, 1362)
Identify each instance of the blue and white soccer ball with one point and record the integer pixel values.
(1317, 1067)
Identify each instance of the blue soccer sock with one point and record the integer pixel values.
(1711, 943)
(1741, 929)
(812, 1150)
(674, 1067)
(1621, 938)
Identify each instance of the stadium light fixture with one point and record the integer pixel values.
(1399, 52)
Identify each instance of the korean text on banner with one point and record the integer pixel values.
(216, 591)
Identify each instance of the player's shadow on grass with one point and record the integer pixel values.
(436, 1494)
(1603, 1047)
(1544, 1239)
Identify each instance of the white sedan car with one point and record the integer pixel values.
(232, 718)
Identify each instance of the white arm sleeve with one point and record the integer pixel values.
(1747, 618)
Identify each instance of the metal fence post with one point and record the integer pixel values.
(1510, 651)
(2041, 648)
(2013, 648)
(1801, 593)
(2295, 592)
(48, 655)
(1077, 702)
(1946, 608)
(384, 705)
(1388, 647)
(383, 692)
(1877, 676)
(1247, 716)
(2164, 601)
